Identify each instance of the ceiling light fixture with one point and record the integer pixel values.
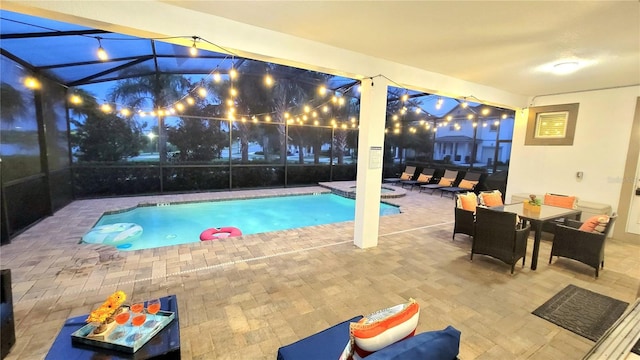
(566, 67)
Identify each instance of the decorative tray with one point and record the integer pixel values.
(125, 338)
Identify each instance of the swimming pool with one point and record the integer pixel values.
(168, 224)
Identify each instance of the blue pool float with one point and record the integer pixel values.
(113, 233)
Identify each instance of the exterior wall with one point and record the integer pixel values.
(486, 142)
(599, 150)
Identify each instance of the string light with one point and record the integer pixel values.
(102, 54)
(106, 108)
(75, 99)
(31, 83)
(268, 79)
(233, 73)
(202, 92)
(193, 51)
(216, 76)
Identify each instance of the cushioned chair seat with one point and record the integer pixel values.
(327, 344)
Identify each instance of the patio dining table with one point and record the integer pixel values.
(536, 218)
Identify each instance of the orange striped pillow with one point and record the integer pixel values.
(385, 327)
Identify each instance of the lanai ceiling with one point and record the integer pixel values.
(502, 44)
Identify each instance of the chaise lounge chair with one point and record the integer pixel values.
(407, 174)
(446, 180)
(468, 183)
(424, 178)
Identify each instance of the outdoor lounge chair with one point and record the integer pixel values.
(498, 235)
(468, 183)
(407, 174)
(586, 245)
(448, 179)
(424, 178)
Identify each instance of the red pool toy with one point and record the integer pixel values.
(223, 232)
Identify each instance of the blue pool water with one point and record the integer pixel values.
(156, 226)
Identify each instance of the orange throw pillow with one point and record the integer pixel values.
(491, 199)
(424, 178)
(406, 176)
(468, 201)
(446, 181)
(595, 223)
(468, 185)
(568, 202)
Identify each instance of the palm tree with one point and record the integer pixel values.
(100, 136)
(13, 103)
(158, 91)
(253, 98)
(292, 90)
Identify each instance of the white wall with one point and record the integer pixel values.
(603, 130)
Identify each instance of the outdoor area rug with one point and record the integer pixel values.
(581, 311)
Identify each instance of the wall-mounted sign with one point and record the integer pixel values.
(375, 157)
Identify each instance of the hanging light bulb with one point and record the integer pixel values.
(193, 51)
(202, 92)
(75, 99)
(322, 90)
(105, 108)
(216, 76)
(405, 97)
(190, 100)
(267, 118)
(268, 79)
(233, 73)
(180, 106)
(31, 83)
(125, 112)
(102, 54)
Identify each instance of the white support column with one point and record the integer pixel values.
(373, 107)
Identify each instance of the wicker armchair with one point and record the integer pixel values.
(498, 234)
(586, 247)
(464, 222)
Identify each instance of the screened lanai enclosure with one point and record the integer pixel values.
(87, 113)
